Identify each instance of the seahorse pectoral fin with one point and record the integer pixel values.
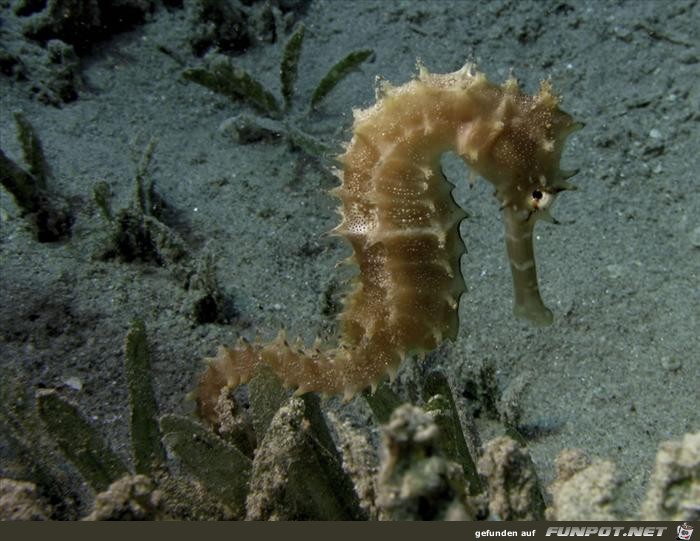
(527, 303)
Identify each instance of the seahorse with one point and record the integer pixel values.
(400, 219)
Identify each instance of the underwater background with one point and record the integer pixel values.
(200, 209)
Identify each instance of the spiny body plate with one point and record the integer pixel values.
(403, 225)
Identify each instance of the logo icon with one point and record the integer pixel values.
(684, 530)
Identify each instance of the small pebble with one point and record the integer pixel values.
(655, 134)
(615, 271)
(695, 237)
(670, 363)
(74, 383)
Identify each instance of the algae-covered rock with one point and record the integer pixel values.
(80, 22)
(416, 482)
(57, 77)
(360, 461)
(674, 487)
(234, 424)
(215, 24)
(513, 489)
(295, 477)
(19, 501)
(582, 491)
(133, 497)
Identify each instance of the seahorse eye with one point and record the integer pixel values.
(540, 199)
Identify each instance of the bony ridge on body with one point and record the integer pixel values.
(398, 215)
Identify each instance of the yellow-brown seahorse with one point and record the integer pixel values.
(403, 225)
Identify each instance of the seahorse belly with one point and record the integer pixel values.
(399, 217)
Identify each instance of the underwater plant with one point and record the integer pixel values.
(151, 486)
(159, 485)
(222, 76)
(47, 211)
(138, 232)
(269, 455)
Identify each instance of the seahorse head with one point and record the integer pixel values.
(518, 148)
(516, 142)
